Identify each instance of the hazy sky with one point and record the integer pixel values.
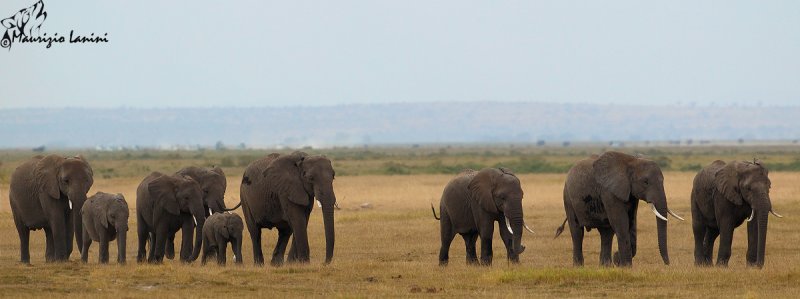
(284, 53)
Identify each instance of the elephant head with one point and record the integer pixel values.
(305, 178)
(178, 194)
(67, 179)
(231, 229)
(633, 178)
(498, 191)
(748, 183)
(213, 184)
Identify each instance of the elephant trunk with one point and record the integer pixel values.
(661, 225)
(198, 213)
(122, 238)
(76, 203)
(328, 199)
(762, 217)
(516, 222)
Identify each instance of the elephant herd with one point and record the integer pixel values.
(278, 191)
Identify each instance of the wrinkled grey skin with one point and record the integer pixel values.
(163, 203)
(723, 196)
(213, 184)
(470, 206)
(41, 191)
(105, 218)
(278, 191)
(603, 192)
(221, 229)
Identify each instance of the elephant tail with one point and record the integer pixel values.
(234, 208)
(434, 213)
(560, 229)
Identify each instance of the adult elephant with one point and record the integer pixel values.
(46, 193)
(472, 203)
(213, 185)
(603, 192)
(724, 195)
(165, 204)
(278, 191)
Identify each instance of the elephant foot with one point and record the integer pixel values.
(513, 259)
(619, 262)
(275, 263)
(445, 262)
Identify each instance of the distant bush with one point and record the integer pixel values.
(533, 165)
(226, 162)
(691, 167)
(791, 166)
(664, 162)
(393, 168)
(245, 160)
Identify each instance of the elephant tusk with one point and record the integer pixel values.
(508, 225)
(527, 228)
(752, 213)
(210, 212)
(776, 214)
(195, 220)
(675, 215)
(652, 207)
(319, 204)
(70, 204)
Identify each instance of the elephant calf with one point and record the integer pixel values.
(724, 195)
(105, 218)
(471, 203)
(220, 229)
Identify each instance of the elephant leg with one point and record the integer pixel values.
(255, 237)
(280, 246)
(486, 233)
(725, 242)
(59, 232)
(299, 251)
(152, 250)
(447, 234)
(222, 251)
(169, 250)
(24, 241)
(49, 249)
(752, 243)
(187, 240)
(160, 242)
(708, 243)
(606, 240)
(577, 241)
(206, 248)
(69, 236)
(470, 239)
(700, 254)
(143, 234)
(621, 228)
(103, 243)
(87, 241)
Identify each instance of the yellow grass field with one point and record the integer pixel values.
(391, 250)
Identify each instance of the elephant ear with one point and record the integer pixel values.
(86, 168)
(283, 174)
(101, 209)
(217, 170)
(481, 187)
(611, 172)
(727, 182)
(163, 190)
(46, 175)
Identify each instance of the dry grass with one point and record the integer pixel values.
(391, 249)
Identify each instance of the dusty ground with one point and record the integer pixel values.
(391, 250)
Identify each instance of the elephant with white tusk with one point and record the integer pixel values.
(603, 192)
(472, 203)
(724, 196)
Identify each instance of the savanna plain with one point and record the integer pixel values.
(387, 240)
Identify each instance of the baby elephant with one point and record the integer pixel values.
(105, 218)
(220, 229)
(472, 203)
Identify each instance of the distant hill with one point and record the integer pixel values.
(351, 125)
